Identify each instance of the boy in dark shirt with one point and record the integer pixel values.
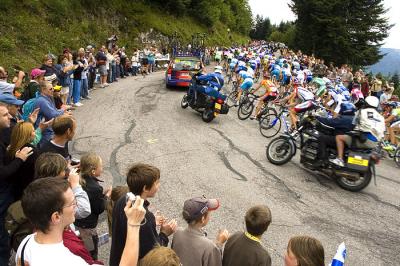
(143, 180)
(245, 248)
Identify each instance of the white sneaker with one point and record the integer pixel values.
(337, 161)
(77, 104)
(106, 84)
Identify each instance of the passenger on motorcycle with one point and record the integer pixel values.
(342, 124)
(392, 122)
(215, 81)
(271, 92)
(370, 123)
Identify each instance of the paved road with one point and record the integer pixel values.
(139, 120)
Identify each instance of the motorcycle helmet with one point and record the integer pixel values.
(218, 69)
(372, 101)
(347, 108)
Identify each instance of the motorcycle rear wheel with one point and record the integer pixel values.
(280, 151)
(355, 186)
(207, 115)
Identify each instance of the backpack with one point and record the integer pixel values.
(17, 225)
(28, 108)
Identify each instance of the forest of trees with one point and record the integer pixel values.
(234, 14)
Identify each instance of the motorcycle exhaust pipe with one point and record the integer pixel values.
(349, 175)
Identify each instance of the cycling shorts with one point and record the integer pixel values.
(232, 66)
(270, 96)
(275, 74)
(229, 60)
(247, 84)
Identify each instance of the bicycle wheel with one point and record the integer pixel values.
(231, 99)
(270, 125)
(396, 156)
(245, 109)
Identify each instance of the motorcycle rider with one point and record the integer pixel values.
(215, 82)
(370, 123)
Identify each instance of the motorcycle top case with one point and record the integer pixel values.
(358, 162)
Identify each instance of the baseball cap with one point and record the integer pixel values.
(10, 99)
(36, 72)
(50, 78)
(195, 207)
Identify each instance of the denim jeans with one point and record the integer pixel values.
(134, 70)
(113, 72)
(84, 88)
(70, 91)
(76, 94)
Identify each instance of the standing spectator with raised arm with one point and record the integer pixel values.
(143, 180)
(6, 87)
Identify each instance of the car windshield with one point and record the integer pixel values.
(189, 65)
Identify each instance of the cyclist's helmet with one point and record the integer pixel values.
(218, 69)
(296, 81)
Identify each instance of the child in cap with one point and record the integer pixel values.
(191, 244)
(244, 248)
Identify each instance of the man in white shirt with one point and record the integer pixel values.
(50, 204)
(6, 87)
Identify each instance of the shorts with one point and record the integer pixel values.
(286, 80)
(270, 96)
(247, 84)
(368, 144)
(145, 61)
(229, 60)
(103, 70)
(64, 90)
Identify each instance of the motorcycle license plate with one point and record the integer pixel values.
(357, 161)
(218, 106)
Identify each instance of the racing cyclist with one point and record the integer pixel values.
(393, 124)
(271, 92)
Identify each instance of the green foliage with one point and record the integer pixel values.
(31, 28)
(262, 28)
(341, 31)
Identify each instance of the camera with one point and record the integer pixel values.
(130, 196)
(75, 161)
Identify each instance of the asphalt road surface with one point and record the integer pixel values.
(139, 120)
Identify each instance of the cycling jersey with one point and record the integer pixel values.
(269, 86)
(303, 94)
(247, 84)
(250, 72)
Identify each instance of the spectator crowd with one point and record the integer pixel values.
(50, 203)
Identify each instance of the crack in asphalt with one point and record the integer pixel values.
(376, 240)
(388, 179)
(294, 194)
(74, 150)
(228, 165)
(377, 199)
(117, 177)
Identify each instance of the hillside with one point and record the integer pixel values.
(31, 28)
(389, 64)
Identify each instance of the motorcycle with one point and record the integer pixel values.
(360, 163)
(209, 107)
